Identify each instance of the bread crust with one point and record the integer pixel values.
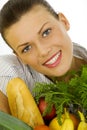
(4, 106)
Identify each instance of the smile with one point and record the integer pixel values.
(54, 60)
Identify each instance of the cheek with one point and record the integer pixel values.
(68, 50)
(59, 37)
(29, 60)
(68, 55)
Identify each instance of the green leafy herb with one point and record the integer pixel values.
(63, 94)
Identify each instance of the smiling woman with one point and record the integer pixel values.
(77, 23)
(43, 50)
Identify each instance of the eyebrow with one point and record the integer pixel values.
(24, 44)
(42, 27)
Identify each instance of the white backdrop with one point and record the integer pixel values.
(76, 13)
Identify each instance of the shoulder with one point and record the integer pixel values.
(9, 64)
(79, 47)
(80, 51)
(8, 58)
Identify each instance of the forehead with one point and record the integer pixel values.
(37, 13)
(29, 23)
(37, 10)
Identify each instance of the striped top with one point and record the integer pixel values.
(11, 67)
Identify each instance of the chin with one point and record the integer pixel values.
(56, 74)
(61, 72)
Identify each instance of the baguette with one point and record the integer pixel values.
(22, 103)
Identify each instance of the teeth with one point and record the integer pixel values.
(53, 59)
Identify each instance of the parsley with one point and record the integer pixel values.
(62, 94)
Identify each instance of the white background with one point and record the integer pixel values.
(76, 13)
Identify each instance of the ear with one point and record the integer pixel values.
(64, 21)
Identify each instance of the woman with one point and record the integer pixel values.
(38, 36)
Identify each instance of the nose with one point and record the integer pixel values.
(43, 50)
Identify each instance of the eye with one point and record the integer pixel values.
(46, 32)
(26, 49)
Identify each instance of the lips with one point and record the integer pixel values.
(54, 60)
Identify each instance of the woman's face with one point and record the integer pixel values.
(41, 41)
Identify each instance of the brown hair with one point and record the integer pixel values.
(14, 9)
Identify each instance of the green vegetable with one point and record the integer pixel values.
(8, 122)
(78, 85)
(65, 94)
